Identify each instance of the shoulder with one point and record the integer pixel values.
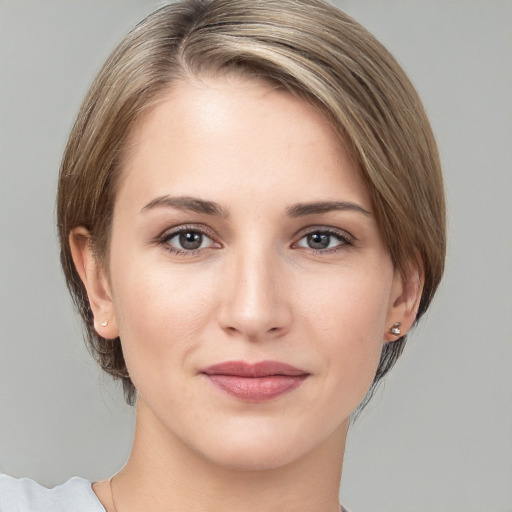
(25, 495)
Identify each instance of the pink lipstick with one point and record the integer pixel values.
(255, 382)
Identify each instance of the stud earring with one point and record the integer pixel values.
(104, 324)
(395, 330)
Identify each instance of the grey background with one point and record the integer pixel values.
(438, 435)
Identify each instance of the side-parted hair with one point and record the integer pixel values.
(307, 47)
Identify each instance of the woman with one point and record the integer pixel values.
(251, 219)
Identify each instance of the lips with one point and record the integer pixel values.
(256, 382)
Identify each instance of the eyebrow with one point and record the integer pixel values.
(187, 203)
(302, 209)
(211, 208)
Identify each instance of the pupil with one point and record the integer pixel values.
(318, 241)
(190, 240)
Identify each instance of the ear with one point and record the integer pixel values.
(405, 300)
(95, 281)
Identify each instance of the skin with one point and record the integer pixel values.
(255, 290)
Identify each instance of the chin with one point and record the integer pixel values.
(263, 447)
(245, 457)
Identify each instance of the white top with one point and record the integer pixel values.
(25, 495)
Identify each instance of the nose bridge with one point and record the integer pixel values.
(254, 304)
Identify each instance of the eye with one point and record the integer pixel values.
(324, 239)
(186, 240)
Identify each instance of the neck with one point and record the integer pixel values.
(163, 473)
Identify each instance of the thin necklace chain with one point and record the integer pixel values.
(112, 494)
(114, 502)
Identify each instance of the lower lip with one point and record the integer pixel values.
(256, 389)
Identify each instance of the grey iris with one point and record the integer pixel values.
(318, 240)
(191, 240)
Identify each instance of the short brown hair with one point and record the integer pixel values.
(308, 47)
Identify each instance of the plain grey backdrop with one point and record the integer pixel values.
(438, 435)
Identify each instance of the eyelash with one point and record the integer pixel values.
(345, 240)
(169, 235)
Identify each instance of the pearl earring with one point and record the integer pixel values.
(104, 324)
(395, 330)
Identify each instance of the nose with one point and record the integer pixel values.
(255, 303)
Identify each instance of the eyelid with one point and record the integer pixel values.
(346, 238)
(342, 233)
(171, 232)
(176, 230)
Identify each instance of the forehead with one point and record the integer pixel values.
(234, 132)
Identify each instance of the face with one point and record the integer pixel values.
(248, 279)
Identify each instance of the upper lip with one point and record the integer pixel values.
(258, 369)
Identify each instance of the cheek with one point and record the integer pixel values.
(349, 319)
(160, 313)
(350, 305)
